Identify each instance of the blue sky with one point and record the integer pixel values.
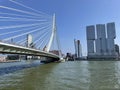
(72, 17)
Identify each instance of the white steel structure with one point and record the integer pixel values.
(14, 49)
(20, 21)
(52, 35)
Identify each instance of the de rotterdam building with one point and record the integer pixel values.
(100, 40)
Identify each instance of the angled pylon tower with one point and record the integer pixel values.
(54, 35)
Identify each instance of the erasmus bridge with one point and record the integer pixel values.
(19, 22)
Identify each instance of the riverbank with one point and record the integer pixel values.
(8, 61)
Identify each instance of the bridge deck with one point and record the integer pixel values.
(15, 49)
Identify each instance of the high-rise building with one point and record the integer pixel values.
(78, 48)
(100, 41)
(90, 30)
(75, 44)
(100, 30)
(111, 35)
(110, 46)
(101, 45)
(90, 46)
(117, 49)
(97, 47)
(29, 40)
(111, 30)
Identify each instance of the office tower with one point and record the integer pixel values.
(98, 47)
(100, 30)
(29, 40)
(100, 41)
(117, 49)
(75, 44)
(110, 38)
(101, 45)
(90, 31)
(78, 49)
(110, 46)
(111, 30)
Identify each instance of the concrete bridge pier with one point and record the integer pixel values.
(49, 60)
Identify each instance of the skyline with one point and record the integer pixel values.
(73, 16)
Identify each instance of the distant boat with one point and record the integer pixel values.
(62, 60)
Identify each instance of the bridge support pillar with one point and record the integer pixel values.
(49, 60)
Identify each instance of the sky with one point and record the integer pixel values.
(72, 17)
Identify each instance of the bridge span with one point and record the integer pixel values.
(26, 31)
(15, 49)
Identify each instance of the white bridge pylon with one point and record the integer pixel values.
(19, 21)
(54, 33)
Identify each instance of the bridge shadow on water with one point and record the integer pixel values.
(15, 66)
(35, 76)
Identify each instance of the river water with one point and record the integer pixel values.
(71, 75)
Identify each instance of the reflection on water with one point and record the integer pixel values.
(76, 75)
(6, 68)
(103, 76)
(117, 74)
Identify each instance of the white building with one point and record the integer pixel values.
(29, 40)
